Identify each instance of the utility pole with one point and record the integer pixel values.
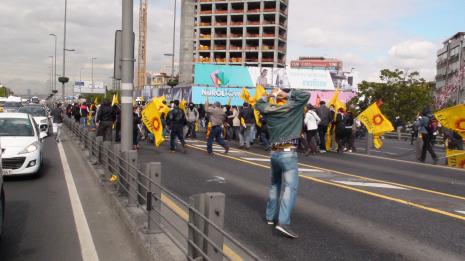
(63, 79)
(55, 64)
(127, 76)
(92, 59)
(174, 40)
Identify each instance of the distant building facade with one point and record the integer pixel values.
(450, 73)
(233, 32)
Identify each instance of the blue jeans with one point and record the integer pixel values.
(83, 121)
(215, 134)
(283, 165)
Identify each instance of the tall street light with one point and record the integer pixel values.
(55, 64)
(92, 59)
(63, 79)
(174, 40)
(51, 73)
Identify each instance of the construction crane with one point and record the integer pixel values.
(142, 52)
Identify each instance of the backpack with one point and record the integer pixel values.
(433, 125)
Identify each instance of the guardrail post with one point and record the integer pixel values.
(106, 156)
(82, 138)
(212, 205)
(132, 178)
(98, 148)
(153, 171)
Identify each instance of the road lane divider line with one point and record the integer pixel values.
(184, 215)
(88, 250)
(368, 184)
(374, 194)
(256, 159)
(372, 179)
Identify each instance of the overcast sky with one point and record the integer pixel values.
(368, 35)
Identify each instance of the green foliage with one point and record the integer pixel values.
(403, 95)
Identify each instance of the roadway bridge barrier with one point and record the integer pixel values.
(195, 227)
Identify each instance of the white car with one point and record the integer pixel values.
(40, 115)
(21, 144)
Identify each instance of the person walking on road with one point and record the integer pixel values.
(84, 112)
(311, 122)
(236, 123)
(284, 126)
(176, 120)
(246, 115)
(325, 118)
(192, 116)
(217, 118)
(427, 127)
(57, 115)
(105, 118)
(340, 130)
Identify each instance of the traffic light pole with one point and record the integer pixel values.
(127, 76)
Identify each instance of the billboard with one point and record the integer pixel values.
(213, 75)
(214, 94)
(81, 87)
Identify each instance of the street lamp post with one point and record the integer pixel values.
(92, 59)
(63, 79)
(55, 64)
(174, 40)
(51, 73)
(127, 75)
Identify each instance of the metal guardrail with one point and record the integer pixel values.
(203, 215)
(408, 136)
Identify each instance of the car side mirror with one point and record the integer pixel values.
(42, 135)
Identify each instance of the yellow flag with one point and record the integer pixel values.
(456, 158)
(242, 122)
(196, 125)
(96, 100)
(453, 118)
(114, 101)
(142, 98)
(328, 137)
(259, 92)
(209, 129)
(151, 117)
(245, 95)
(376, 123)
(336, 102)
(182, 105)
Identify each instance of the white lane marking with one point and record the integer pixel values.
(460, 211)
(368, 184)
(217, 179)
(256, 159)
(310, 170)
(88, 251)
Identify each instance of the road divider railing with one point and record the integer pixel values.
(195, 227)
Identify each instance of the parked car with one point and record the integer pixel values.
(21, 144)
(40, 115)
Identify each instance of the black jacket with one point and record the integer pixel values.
(324, 114)
(247, 114)
(106, 113)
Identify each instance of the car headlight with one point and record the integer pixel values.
(43, 121)
(30, 148)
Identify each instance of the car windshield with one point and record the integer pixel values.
(12, 104)
(16, 127)
(35, 111)
(2, 103)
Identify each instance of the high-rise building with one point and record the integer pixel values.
(450, 65)
(233, 32)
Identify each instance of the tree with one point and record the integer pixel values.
(403, 95)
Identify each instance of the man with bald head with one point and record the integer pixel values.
(217, 117)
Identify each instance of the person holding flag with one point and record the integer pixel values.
(284, 123)
(176, 121)
(375, 122)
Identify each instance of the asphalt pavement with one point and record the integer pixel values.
(42, 223)
(349, 207)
